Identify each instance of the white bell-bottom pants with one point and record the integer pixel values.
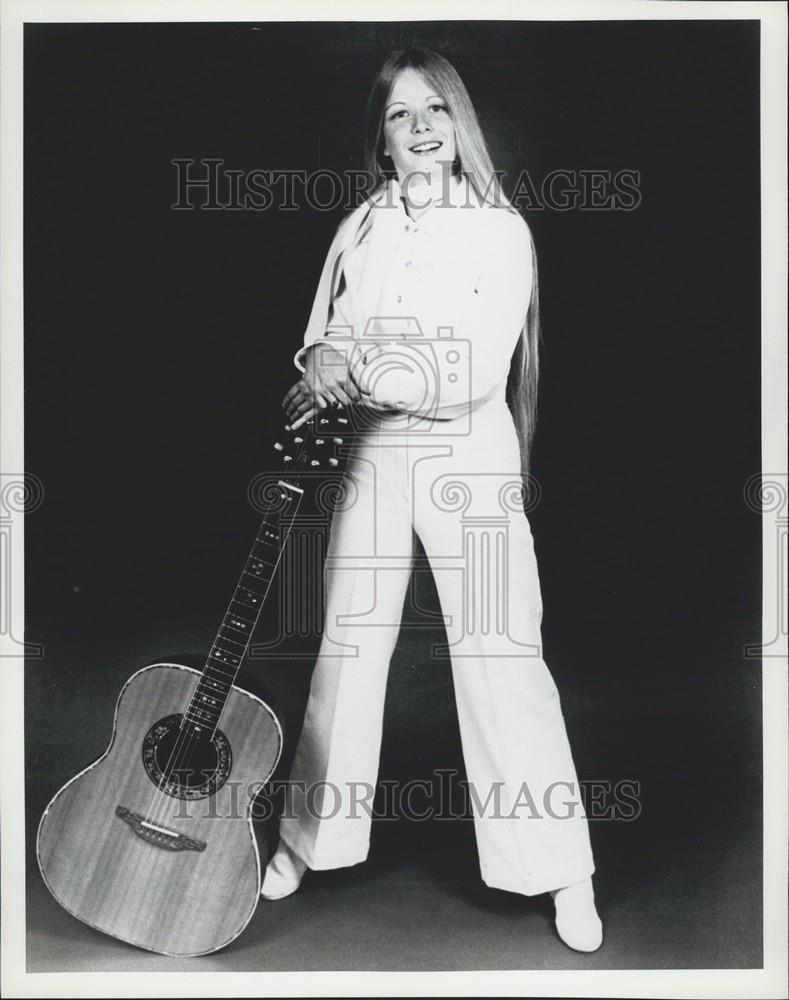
(456, 483)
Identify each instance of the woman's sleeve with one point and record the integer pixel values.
(319, 314)
(486, 317)
(338, 324)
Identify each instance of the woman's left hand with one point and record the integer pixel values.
(326, 382)
(301, 402)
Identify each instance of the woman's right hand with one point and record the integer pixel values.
(326, 382)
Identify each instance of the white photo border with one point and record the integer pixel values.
(771, 981)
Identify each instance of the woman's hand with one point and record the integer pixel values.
(326, 382)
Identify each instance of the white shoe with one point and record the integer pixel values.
(283, 874)
(577, 922)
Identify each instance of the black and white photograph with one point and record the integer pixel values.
(394, 499)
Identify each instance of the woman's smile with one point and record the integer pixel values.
(417, 127)
(427, 147)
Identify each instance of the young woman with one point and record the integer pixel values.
(426, 319)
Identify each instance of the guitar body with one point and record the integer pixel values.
(153, 843)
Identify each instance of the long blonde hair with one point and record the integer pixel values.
(472, 161)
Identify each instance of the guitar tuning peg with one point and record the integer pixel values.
(313, 462)
(278, 446)
(288, 458)
(298, 440)
(333, 461)
(342, 420)
(337, 440)
(319, 441)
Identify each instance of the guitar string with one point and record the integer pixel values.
(187, 738)
(184, 744)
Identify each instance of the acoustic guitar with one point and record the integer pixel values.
(153, 842)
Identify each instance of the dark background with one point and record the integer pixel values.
(158, 345)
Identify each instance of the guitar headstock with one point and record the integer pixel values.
(316, 444)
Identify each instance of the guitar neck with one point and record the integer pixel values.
(308, 450)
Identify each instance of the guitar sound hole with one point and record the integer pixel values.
(185, 764)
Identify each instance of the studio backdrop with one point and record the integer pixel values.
(182, 185)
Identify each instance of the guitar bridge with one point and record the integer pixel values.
(159, 836)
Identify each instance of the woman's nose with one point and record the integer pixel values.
(421, 123)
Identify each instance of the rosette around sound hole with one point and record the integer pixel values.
(185, 763)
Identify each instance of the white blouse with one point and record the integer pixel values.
(438, 332)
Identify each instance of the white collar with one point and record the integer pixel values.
(456, 192)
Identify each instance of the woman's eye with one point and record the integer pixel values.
(433, 108)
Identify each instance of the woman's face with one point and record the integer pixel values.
(418, 133)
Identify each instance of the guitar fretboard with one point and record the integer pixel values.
(232, 640)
